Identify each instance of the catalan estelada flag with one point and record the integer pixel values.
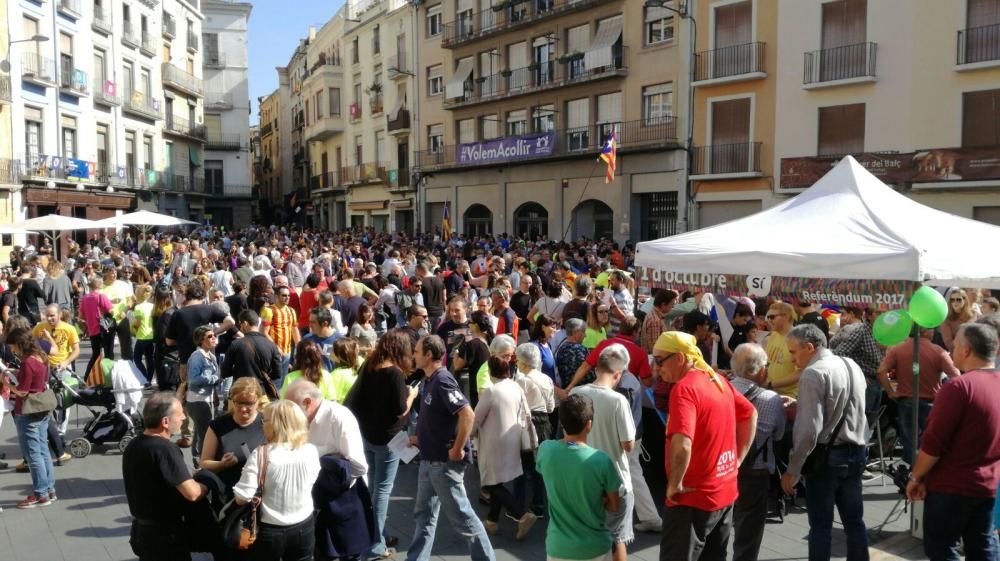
(96, 375)
(446, 223)
(609, 153)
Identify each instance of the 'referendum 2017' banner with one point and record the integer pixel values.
(861, 293)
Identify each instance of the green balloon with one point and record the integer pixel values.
(928, 308)
(892, 328)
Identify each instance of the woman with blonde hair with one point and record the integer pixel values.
(288, 466)
(598, 323)
(959, 312)
(347, 361)
(232, 436)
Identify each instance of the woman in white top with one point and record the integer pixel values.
(291, 466)
(539, 392)
(500, 418)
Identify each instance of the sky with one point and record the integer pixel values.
(275, 29)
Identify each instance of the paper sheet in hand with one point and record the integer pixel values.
(400, 446)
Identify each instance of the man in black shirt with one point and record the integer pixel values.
(454, 330)
(809, 314)
(434, 293)
(253, 355)
(158, 486)
(194, 314)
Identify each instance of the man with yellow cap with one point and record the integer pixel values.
(709, 431)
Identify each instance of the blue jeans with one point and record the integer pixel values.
(32, 436)
(839, 484)
(905, 407)
(143, 356)
(949, 519)
(382, 466)
(443, 484)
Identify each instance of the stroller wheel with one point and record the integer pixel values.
(80, 447)
(123, 443)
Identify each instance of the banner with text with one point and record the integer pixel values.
(939, 164)
(861, 293)
(528, 146)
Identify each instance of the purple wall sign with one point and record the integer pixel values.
(511, 148)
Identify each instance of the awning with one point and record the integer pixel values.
(374, 205)
(195, 156)
(599, 54)
(400, 101)
(456, 86)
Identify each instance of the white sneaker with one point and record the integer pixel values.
(652, 526)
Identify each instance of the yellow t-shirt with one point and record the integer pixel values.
(167, 249)
(143, 314)
(121, 291)
(64, 335)
(326, 386)
(780, 366)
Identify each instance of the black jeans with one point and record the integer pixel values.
(750, 513)
(284, 543)
(100, 343)
(56, 443)
(200, 412)
(156, 542)
(690, 534)
(501, 498)
(950, 518)
(124, 332)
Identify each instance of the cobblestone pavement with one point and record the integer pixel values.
(90, 521)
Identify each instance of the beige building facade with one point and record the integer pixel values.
(517, 100)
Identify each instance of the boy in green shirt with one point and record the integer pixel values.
(582, 483)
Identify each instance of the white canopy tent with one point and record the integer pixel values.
(144, 220)
(53, 226)
(849, 225)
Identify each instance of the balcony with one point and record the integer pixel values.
(399, 180)
(324, 73)
(228, 190)
(298, 120)
(223, 142)
(265, 129)
(70, 8)
(72, 81)
(325, 127)
(538, 77)
(105, 94)
(328, 180)
(321, 61)
(218, 101)
(400, 124)
(192, 44)
(149, 44)
(375, 103)
(142, 178)
(10, 171)
(179, 80)
(214, 60)
(850, 64)
(505, 16)
(979, 46)
(169, 26)
(370, 172)
(182, 127)
(38, 69)
(299, 156)
(354, 110)
(398, 67)
(101, 22)
(5, 89)
(654, 133)
(130, 35)
(736, 63)
(726, 161)
(142, 105)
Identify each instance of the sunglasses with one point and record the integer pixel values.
(956, 300)
(661, 360)
(772, 316)
(210, 336)
(245, 404)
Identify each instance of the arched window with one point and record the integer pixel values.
(531, 220)
(478, 221)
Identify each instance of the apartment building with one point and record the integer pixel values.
(735, 80)
(293, 162)
(518, 98)
(269, 178)
(228, 186)
(10, 193)
(915, 99)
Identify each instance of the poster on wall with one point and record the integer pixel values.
(939, 164)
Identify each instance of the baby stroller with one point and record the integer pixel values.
(107, 425)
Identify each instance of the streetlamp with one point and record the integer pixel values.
(5, 63)
(684, 14)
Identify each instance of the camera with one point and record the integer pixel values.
(900, 475)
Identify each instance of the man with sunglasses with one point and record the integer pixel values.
(782, 375)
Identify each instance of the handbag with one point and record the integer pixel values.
(40, 402)
(817, 460)
(248, 533)
(529, 437)
(107, 323)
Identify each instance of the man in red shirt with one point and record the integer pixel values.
(958, 466)
(638, 363)
(709, 432)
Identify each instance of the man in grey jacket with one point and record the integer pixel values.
(831, 412)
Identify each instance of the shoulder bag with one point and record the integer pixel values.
(247, 520)
(41, 402)
(818, 460)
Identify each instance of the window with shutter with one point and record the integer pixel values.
(841, 130)
(730, 150)
(980, 37)
(733, 34)
(981, 118)
(466, 131)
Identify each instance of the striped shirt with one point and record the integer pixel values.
(283, 321)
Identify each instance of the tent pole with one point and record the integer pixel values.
(582, 193)
(914, 444)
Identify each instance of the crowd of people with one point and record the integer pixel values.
(302, 367)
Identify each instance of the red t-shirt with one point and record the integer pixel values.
(638, 360)
(964, 432)
(307, 301)
(708, 416)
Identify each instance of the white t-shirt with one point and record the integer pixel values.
(613, 425)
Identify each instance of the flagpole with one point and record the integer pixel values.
(582, 193)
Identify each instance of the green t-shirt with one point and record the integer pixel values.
(120, 291)
(325, 385)
(593, 337)
(577, 477)
(143, 314)
(342, 380)
(483, 378)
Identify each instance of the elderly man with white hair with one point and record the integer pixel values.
(613, 432)
(333, 429)
(749, 365)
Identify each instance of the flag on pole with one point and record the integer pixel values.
(609, 153)
(446, 223)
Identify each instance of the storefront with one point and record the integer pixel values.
(90, 204)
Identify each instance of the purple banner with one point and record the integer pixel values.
(511, 148)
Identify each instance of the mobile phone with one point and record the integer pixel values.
(245, 450)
